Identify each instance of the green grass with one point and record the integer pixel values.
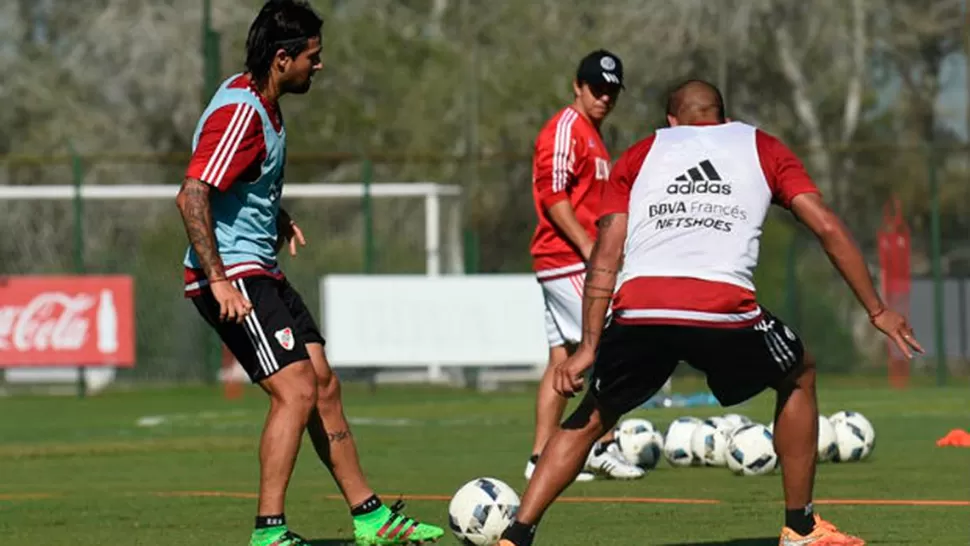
(83, 472)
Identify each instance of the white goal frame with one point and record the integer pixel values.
(437, 197)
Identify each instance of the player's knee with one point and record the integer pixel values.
(802, 378)
(589, 417)
(298, 390)
(328, 389)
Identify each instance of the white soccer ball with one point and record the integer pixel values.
(640, 443)
(677, 442)
(718, 422)
(481, 510)
(635, 426)
(735, 421)
(863, 424)
(827, 446)
(750, 451)
(854, 435)
(708, 443)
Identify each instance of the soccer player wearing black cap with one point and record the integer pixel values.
(570, 165)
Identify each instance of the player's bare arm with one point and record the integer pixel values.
(843, 252)
(193, 203)
(564, 218)
(601, 274)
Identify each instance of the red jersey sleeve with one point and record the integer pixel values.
(230, 144)
(616, 192)
(555, 161)
(784, 172)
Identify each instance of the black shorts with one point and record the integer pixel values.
(634, 361)
(274, 335)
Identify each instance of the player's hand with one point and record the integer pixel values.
(569, 375)
(292, 234)
(288, 233)
(233, 306)
(897, 329)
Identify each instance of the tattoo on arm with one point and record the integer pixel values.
(339, 436)
(197, 216)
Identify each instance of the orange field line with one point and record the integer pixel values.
(224, 494)
(26, 496)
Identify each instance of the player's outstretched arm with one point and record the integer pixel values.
(847, 258)
(193, 203)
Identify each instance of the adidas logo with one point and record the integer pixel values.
(703, 178)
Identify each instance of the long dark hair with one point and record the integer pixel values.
(281, 24)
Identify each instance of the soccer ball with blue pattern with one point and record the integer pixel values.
(677, 447)
(750, 452)
(481, 510)
(640, 443)
(855, 437)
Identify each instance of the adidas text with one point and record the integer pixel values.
(690, 188)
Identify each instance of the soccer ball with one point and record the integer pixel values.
(677, 442)
(750, 451)
(635, 426)
(854, 435)
(640, 443)
(827, 446)
(708, 443)
(735, 421)
(481, 510)
(717, 422)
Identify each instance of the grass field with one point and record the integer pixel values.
(179, 466)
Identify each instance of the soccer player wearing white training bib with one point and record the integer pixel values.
(569, 167)
(230, 204)
(681, 222)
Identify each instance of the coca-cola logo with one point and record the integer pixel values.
(51, 320)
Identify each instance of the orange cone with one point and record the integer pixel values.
(956, 438)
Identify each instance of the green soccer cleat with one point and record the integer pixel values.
(387, 526)
(276, 536)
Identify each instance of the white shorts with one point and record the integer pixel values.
(564, 309)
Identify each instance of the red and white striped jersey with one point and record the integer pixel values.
(231, 147)
(570, 162)
(696, 199)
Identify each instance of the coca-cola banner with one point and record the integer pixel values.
(67, 321)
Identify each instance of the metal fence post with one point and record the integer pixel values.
(77, 173)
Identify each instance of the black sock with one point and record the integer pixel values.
(263, 522)
(801, 520)
(534, 458)
(521, 534)
(366, 507)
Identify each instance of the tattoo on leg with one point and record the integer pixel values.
(339, 436)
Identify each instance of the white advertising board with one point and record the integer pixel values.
(418, 320)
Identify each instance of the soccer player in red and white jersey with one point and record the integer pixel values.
(681, 221)
(569, 166)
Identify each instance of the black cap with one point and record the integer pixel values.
(600, 68)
